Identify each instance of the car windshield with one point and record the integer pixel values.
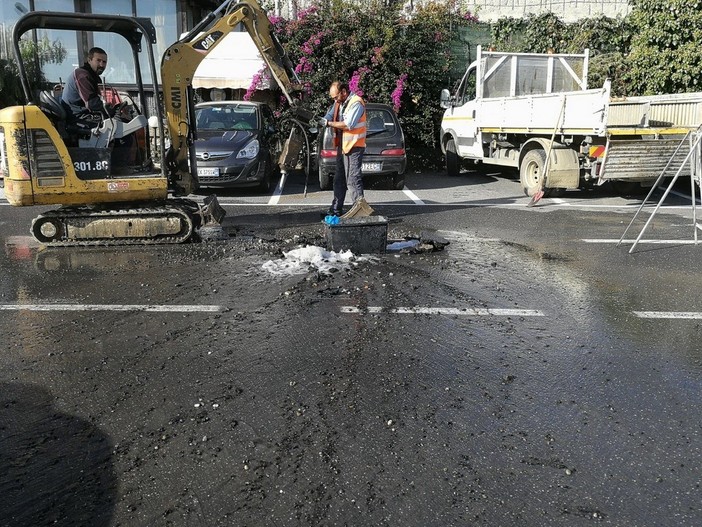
(226, 118)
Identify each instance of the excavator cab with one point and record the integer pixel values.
(54, 158)
(110, 193)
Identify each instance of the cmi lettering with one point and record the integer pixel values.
(175, 97)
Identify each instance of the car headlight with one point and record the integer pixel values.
(249, 151)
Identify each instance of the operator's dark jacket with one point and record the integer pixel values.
(81, 95)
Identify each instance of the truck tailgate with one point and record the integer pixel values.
(643, 159)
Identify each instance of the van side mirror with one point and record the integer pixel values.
(445, 99)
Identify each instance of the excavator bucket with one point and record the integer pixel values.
(291, 150)
(212, 212)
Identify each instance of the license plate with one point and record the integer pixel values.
(208, 172)
(370, 167)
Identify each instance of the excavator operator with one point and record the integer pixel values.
(81, 95)
(86, 109)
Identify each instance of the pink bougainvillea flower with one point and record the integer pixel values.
(396, 95)
(256, 82)
(354, 83)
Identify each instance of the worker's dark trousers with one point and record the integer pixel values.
(347, 176)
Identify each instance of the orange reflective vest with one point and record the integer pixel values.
(357, 135)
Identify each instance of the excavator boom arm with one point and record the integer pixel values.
(180, 61)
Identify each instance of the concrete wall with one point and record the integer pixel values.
(567, 10)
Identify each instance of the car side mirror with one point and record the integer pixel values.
(445, 101)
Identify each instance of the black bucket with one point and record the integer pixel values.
(366, 235)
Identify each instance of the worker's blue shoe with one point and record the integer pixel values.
(332, 212)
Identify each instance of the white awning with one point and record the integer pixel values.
(232, 64)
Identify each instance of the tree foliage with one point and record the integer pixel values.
(607, 39)
(384, 55)
(666, 50)
(10, 87)
(34, 56)
(657, 48)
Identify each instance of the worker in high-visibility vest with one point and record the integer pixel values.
(347, 118)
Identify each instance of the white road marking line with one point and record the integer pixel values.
(113, 307)
(561, 201)
(612, 240)
(694, 315)
(688, 315)
(468, 311)
(683, 315)
(411, 195)
(275, 198)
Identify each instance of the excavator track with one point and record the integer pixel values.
(154, 222)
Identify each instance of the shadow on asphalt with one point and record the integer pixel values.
(57, 468)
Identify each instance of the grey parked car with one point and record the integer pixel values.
(237, 145)
(385, 148)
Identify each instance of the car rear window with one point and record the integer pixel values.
(380, 124)
(226, 118)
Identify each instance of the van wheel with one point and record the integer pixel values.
(531, 171)
(453, 161)
(325, 180)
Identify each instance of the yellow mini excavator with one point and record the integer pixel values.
(101, 173)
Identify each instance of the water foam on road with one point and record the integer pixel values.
(304, 259)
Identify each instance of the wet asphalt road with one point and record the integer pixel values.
(512, 379)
